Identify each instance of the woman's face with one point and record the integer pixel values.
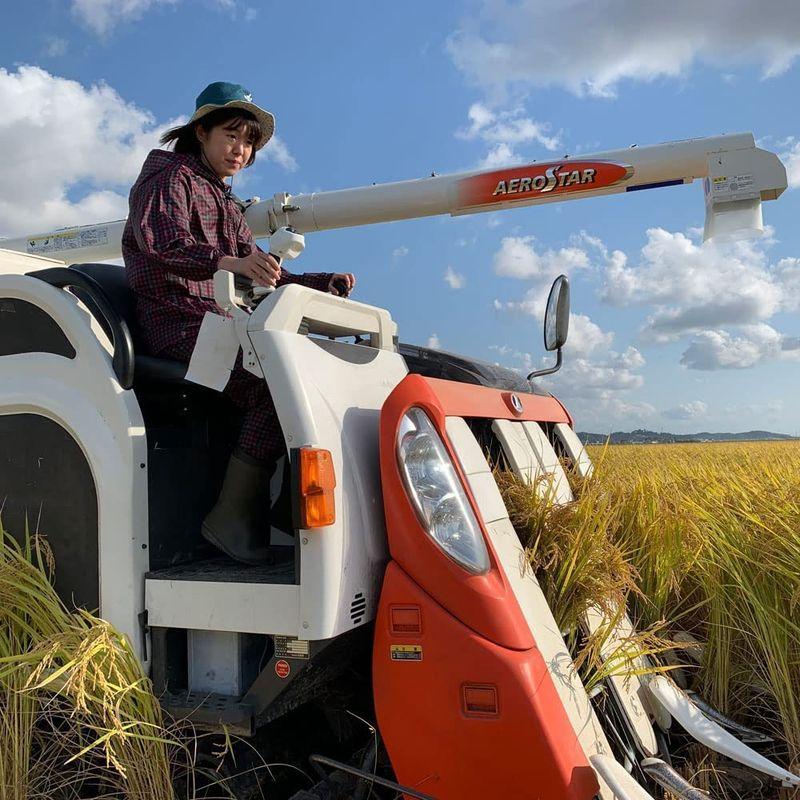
(227, 149)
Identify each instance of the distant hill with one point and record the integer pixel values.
(652, 437)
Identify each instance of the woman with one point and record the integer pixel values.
(183, 225)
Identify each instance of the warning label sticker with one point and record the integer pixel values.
(290, 647)
(282, 669)
(405, 652)
(733, 184)
(69, 240)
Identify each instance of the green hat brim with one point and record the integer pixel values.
(264, 117)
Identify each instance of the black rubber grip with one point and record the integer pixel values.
(340, 284)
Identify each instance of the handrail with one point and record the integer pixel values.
(292, 307)
(91, 293)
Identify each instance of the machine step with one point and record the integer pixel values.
(211, 711)
(226, 570)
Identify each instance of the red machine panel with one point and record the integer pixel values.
(466, 706)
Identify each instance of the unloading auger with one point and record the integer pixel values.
(408, 600)
(737, 176)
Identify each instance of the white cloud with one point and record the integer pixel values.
(433, 342)
(72, 152)
(400, 252)
(509, 126)
(720, 349)
(58, 135)
(691, 410)
(503, 131)
(102, 15)
(590, 46)
(701, 290)
(518, 257)
(455, 280)
(791, 160)
(595, 389)
(500, 155)
(55, 46)
(772, 409)
(695, 287)
(591, 369)
(276, 150)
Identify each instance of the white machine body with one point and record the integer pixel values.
(328, 394)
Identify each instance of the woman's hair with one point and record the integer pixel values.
(185, 136)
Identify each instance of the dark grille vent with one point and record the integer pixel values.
(358, 608)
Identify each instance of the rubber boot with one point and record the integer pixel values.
(239, 522)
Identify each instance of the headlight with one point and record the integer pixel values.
(436, 492)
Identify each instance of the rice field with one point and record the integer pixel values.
(696, 538)
(77, 714)
(699, 539)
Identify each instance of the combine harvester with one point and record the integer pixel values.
(395, 547)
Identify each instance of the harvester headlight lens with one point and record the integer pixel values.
(437, 494)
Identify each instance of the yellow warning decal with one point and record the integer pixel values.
(405, 652)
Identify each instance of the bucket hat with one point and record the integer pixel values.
(232, 95)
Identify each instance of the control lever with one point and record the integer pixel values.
(284, 243)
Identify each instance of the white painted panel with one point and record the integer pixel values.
(706, 731)
(623, 786)
(487, 496)
(218, 606)
(548, 637)
(518, 450)
(549, 461)
(529, 595)
(329, 395)
(575, 449)
(470, 454)
(85, 398)
(628, 688)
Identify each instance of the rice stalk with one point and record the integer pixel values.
(75, 705)
(713, 532)
(706, 536)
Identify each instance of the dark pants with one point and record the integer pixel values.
(261, 436)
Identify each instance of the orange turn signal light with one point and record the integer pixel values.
(317, 482)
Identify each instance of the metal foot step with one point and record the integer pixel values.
(211, 711)
(226, 570)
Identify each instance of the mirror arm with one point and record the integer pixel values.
(549, 370)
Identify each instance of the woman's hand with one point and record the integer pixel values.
(263, 269)
(342, 283)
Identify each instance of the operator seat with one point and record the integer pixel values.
(147, 369)
(191, 429)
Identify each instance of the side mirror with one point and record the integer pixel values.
(556, 317)
(556, 322)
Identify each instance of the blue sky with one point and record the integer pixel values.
(367, 91)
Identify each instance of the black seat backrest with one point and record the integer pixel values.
(114, 281)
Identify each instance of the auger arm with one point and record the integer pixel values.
(737, 176)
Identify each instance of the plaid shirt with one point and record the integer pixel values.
(183, 219)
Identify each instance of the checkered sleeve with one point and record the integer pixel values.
(313, 280)
(161, 224)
